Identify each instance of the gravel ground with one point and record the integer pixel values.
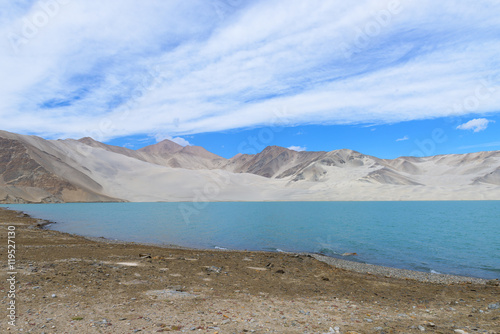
(397, 273)
(70, 284)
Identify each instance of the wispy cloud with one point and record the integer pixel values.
(403, 139)
(297, 148)
(476, 125)
(483, 145)
(188, 67)
(179, 140)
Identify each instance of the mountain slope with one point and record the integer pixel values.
(272, 162)
(166, 153)
(31, 170)
(36, 170)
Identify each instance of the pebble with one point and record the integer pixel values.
(214, 269)
(494, 306)
(421, 328)
(53, 295)
(400, 273)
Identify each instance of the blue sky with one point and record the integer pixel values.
(387, 78)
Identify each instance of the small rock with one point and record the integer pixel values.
(53, 295)
(460, 331)
(431, 324)
(368, 320)
(493, 282)
(421, 328)
(213, 269)
(280, 271)
(494, 306)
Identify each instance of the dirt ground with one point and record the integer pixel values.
(70, 284)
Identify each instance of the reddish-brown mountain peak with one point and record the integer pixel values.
(89, 141)
(274, 149)
(164, 147)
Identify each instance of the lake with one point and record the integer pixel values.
(451, 237)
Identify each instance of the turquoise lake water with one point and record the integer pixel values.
(451, 237)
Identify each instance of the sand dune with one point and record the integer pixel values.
(36, 170)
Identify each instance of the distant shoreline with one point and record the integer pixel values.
(266, 201)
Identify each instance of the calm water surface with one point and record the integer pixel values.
(448, 237)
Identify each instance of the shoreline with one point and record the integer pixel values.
(66, 283)
(359, 267)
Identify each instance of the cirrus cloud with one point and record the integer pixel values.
(199, 66)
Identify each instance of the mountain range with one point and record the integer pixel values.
(35, 170)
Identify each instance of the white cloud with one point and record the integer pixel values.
(477, 124)
(403, 139)
(297, 148)
(181, 141)
(198, 66)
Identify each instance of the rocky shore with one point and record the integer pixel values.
(70, 284)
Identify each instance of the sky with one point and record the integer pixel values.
(387, 78)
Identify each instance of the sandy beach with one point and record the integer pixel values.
(71, 284)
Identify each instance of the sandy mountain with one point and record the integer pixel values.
(163, 148)
(491, 178)
(166, 153)
(36, 170)
(272, 162)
